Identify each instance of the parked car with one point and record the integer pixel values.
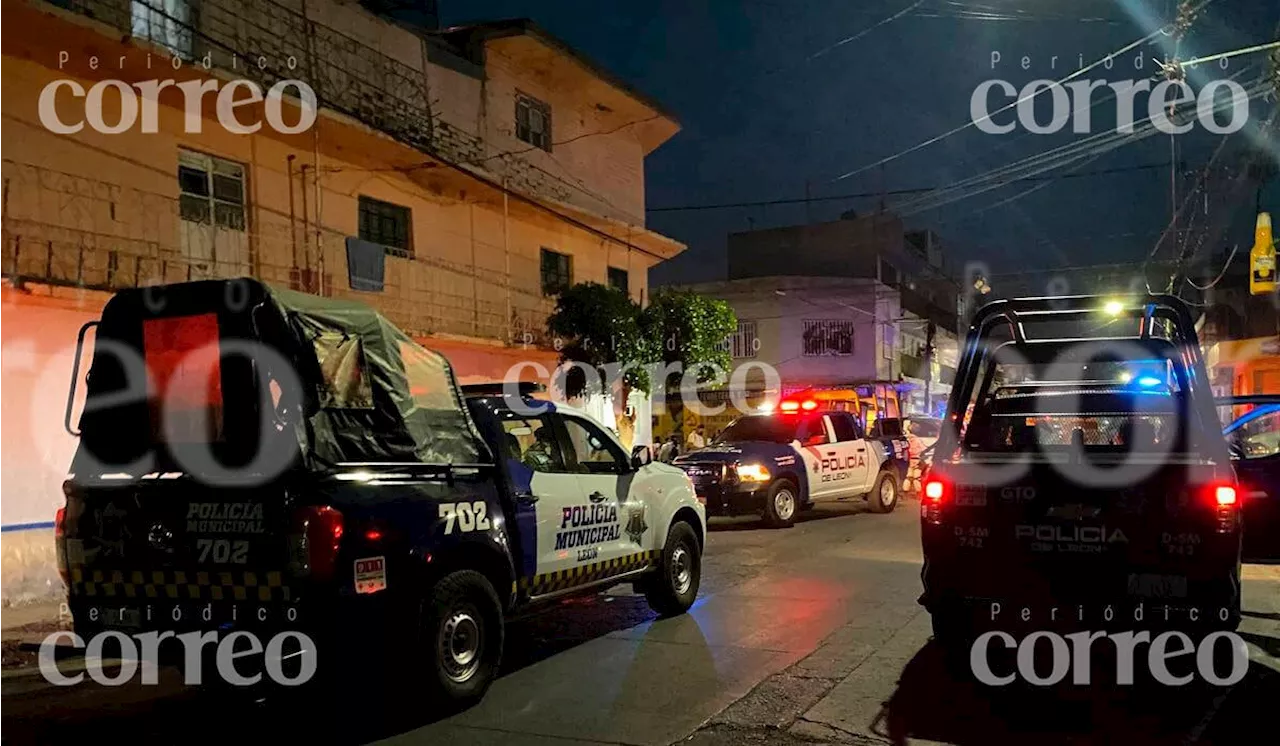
(1038, 502)
(781, 462)
(298, 463)
(1254, 440)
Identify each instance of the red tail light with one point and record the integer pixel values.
(1223, 498)
(935, 494)
(59, 533)
(319, 529)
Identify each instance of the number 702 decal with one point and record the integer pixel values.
(465, 516)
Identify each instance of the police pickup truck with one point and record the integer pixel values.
(259, 460)
(1081, 479)
(778, 463)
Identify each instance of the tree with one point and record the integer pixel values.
(690, 329)
(599, 328)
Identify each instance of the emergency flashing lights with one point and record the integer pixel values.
(807, 405)
(1147, 382)
(1262, 259)
(1113, 308)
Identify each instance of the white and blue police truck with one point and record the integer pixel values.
(778, 463)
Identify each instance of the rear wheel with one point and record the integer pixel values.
(672, 589)
(884, 494)
(782, 503)
(460, 638)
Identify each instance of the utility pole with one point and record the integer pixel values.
(928, 368)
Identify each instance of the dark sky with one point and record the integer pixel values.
(767, 103)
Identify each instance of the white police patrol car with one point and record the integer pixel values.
(781, 462)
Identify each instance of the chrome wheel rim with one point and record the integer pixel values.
(460, 640)
(887, 493)
(681, 570)
(784, 504)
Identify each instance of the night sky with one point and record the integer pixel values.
(769, 100)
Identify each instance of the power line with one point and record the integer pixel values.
(893, 192)
(1028, 97)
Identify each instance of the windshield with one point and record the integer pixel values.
(927, 427)
(771, 428)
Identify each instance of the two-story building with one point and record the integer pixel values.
(456, 179)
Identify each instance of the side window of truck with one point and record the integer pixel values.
(532, 442)
(845, 426)
(593, 451)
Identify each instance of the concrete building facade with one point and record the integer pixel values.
(481, 168)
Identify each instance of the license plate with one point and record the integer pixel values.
(971, 495)
(126, 618)
(1149, 585)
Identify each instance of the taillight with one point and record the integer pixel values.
(60, 533)
(935, 494)
(1223, 498)
(318, 531)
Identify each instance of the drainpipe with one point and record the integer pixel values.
(306, 223)
(293, 223)
(506, 250)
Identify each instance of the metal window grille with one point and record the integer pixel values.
(533, 121)
(828, 337)
(211, 190)
(387, 224)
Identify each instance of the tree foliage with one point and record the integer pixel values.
(690, 329)
(600, 326)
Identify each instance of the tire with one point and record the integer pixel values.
(459, 645)
(674, 587)
(782, 504)
(884, 494)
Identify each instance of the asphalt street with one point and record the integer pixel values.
(809, 634)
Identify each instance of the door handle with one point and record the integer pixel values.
(862, 450)
(527, 498)
(596, 497)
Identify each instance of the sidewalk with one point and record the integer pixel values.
(880, 680)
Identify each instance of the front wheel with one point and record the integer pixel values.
(884, 495)
(672, 589)
(460, 638)
(781, 504)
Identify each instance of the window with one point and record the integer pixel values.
(887, 342)
(343, 371)
(742, 343)
(532, 442)
(828, 337)
(386, 224)
(593, 451)
(813, 431)
(211, 190)
(164, 22)
(557, 272)
(533, 121)
(845, 426)
(618, 279)
(888, 274)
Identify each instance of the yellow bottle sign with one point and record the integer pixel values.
(1262, 260)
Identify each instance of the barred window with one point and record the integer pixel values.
(164, 22)
(743, 342)
(211, 190)
(619, 279)
(387, 224)
(557, 272)
(533, 121)
(828, 337)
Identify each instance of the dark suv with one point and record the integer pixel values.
(1081, 479)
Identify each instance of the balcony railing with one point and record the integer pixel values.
(70, 230)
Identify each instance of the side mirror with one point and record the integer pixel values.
(1235, 447)
(641, 456)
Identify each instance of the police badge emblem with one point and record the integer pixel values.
(636, 525)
